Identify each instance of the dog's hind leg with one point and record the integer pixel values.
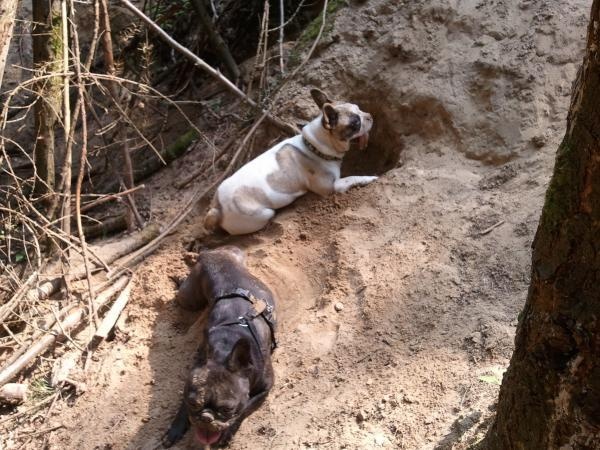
(244, 224)
(213, 216)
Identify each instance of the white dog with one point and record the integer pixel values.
(311, 161)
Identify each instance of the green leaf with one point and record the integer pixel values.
(19, 257)
(497, 373)
(491, 379)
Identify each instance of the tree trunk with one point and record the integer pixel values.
(8, 9)
(47, 46)
(550, 396)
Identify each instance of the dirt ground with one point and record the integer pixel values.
(429, 265)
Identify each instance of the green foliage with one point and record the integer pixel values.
(495, 376)
(40, 389)
(561, 193)
(180, 145)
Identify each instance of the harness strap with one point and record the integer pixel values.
(247, 320)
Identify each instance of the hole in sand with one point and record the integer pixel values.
(385, 144)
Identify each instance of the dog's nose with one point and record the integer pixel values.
(207, 417)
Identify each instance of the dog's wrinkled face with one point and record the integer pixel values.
(344, 120)
(216, 395)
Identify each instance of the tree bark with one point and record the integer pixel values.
(8, 9)
(47, 45)
(550, 396)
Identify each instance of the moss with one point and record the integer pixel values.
(561, 193)
(179, 146)
(311, 32)
(56, 41)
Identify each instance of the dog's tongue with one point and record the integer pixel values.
(207, 437)
(363, 141)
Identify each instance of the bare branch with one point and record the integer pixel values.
(210, 70)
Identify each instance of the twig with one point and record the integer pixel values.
(66, 208)
(31, 408)
(7, 308)
(107, 46)
(211, 71)
(82, 160)
(113, 314)
(292, 17)
(71, 321)
(63, 331)
(488, 230)
(106, 198)
(281, 28)
(11, 334)
(121, 248)
(40, 432)
(265, 48)
(108, 226)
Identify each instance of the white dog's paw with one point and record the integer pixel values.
(343, 184)
(368, 180)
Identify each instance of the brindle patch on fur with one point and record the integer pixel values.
(288, 179)
(249, 200)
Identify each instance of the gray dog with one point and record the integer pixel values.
(232, 374)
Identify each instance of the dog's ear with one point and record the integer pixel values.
(319, 97)
(240, 357)
(330, 116)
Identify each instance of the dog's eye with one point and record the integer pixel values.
(355, 122)
(226, 412)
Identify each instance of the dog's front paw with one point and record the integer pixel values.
(343, 184)
(178, 428)
(367, 180)
(171, 437)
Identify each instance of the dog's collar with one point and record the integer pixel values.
(320, 154)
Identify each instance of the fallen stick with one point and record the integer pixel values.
(113, 314)
(24, 412)
(108, 197)
(48, 321)
(488, 230)
(106, 227)
(43, 431)
(13, 393)
(8, 307)
(71, 321)
(110, 253)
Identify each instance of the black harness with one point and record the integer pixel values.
(262, 308)
(320, 154)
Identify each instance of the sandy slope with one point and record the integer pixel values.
(430, 302)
